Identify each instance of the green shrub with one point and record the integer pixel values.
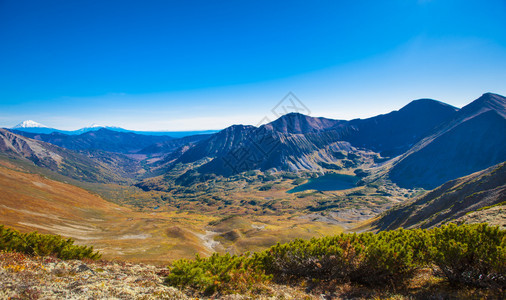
(365, 258)
(318, 259)
(289, 176)
(298, 181)
(223, 273)
(267, 177)
(329, 166)
(34, 243)
(266, 187)
(470, 254)
(353, 156)
(340, 155)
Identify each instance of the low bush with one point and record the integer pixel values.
(34, 243)
(468, 254)
(365, 258)
(298, 181)
(266, 187)
(217, 273)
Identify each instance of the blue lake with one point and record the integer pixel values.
(329, 182)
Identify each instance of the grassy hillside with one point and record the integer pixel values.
(34, 202)
(474, 194)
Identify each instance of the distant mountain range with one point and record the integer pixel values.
(100, 139)
(427, 143)
(57, 159)
(34, 127)
(299, 142)
(436, 142)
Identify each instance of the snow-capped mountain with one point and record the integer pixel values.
(34, 127)
(29, 124)
(92, 127)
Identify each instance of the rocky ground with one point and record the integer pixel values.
(26, 277)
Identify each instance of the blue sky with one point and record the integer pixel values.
(189, 65)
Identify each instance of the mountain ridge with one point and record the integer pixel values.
(100, 139)
(471, 140)
(56, 159)
(425, 138)
(35, 127)
(305, 143)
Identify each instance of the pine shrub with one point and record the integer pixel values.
(365, 258)
(217, 273)
(34, 243)
(468, 254)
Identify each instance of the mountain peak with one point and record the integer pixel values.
(235, 128)
(29, 124)
(426, 104)
(493, 100)
(488, 101)
(299, 123)
(92, 127)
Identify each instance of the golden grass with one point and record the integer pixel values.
(31, 202)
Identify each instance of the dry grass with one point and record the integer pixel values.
(31, 202)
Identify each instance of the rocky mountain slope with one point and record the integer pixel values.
(56, 159)
(269, 149)
(298, 142)
(217, 144)
(431, 143)
(394, 133)
(451, 201)
(297, 123)
(472, 140)
(101, 139)
(161, 148)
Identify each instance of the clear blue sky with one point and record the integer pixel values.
(185, 65)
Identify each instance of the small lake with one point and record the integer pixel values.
(329, 182)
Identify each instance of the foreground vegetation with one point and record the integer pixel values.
(464, 262)
(34, 243)
(470, 255)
